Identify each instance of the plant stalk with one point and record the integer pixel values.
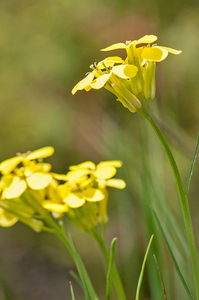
(115, 276)
(183, 200)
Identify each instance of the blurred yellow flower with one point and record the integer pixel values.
(83, 197)
(25, 170)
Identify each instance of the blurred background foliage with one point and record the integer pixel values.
(46, 47)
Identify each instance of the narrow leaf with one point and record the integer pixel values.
(171, 255)
(76, 278)
(110, 268)
(142, 270)
(192, 166)
(87, 285)
(72, 293)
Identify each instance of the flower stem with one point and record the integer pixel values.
(73, 252)
(183, 200)
(115, 276)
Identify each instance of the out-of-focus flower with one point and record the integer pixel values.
(87, 182)
(21, 177)
(83, 197)
(23, 171)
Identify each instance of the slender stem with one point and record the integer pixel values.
(183, 200)
(115, 276)
(73, 252)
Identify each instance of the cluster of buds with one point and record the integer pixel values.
(29, 190)
(132, 80)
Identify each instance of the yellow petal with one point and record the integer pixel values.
(170, 50)
(147, 39)
(93, 195)
(125, 71)
(40, 153)
(100, 81)
(74, 200)
(115, 59)
(83, 83)
(7, 219)
(109, 62)
(155, 54)
(8, 165)
(86, 182)
(38, 181)
(63, 190)
(115, 46)
(59, 176)
(119, 71)
(45, 167)
(116, 183)
(55, 207)
(105, 172)
(73, 175)
(15, 189)
(113, 163)
(84, 165)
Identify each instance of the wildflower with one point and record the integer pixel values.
(25, 170)
(112, 77)
(83, 197)
(133, 80)
(144, 57)
(149, 52)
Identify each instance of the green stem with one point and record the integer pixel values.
(115, 276)
(71, 249)
(183, 200)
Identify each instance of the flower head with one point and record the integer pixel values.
(83, 197)
(23, 171)
(132, 80)
(23, 180)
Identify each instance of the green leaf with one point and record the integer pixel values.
(72, 293)
(110, 268)
(76, 278)
(142, 270)
(192, 166)
(171, 254)
(87, 285)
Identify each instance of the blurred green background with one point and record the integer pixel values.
(46, 47)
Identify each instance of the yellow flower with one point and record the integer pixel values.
(154, 53)
(114, 78)
(131, 80)
(83, 197)
(25, 170)
(144, 57)
(102, 73)
(87, 182)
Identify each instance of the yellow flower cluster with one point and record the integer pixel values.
(28, 190)
(132, 80)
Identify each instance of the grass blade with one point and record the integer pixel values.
(110, 268)
(192, 166)
(76, 278)
(87, 285)
(142, 270)
(72, 293)
(171, 255)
